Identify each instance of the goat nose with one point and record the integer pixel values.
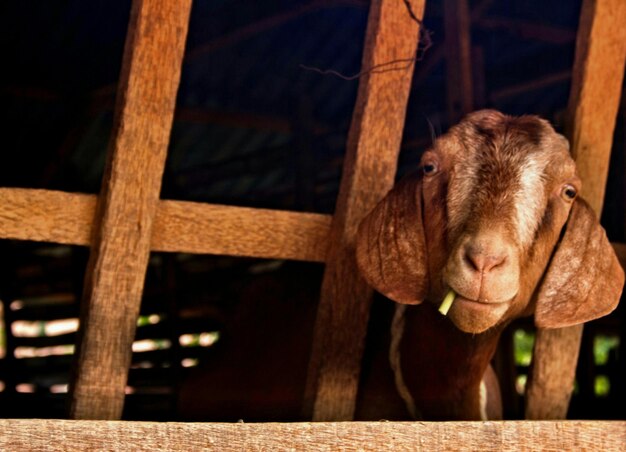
(482, 260)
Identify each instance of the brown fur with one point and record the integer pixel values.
(492, 173)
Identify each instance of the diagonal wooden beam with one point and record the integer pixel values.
(594, 100)
(369, 171)
(595, 93)
(127, 204)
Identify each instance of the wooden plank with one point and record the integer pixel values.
(62, 435)
(46, 216)
(595, 94)
(458, 44)
(240, 231)
(122, 230)
(369, 170)
(596, 85)
(435, 55)
(553, 369)
(179, 226)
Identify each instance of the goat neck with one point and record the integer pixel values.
(443, 367)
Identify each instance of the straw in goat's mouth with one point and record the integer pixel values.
(447, 302)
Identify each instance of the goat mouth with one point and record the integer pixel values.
(485, 303)
(478, 304)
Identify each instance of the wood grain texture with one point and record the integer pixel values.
(553, 369)
(595, 93)
(239, 231)
(46, 216)
(179, 226)
(594, 98)
(131, 185)
(61, 435)
(369, 171)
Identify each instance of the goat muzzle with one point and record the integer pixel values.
(484, 268)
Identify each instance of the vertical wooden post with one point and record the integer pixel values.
(595, 94)
(369, 171)
(458, 42)
(594, 99)
(130, 192)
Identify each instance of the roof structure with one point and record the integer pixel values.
(262, 116)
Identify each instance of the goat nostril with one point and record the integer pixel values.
(483, 262)
(471, 261)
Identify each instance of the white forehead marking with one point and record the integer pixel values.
(465, 187)
(530, 198)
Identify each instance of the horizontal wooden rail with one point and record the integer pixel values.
(240, 231)
(53, 435)
(46, 216)
(179, 226)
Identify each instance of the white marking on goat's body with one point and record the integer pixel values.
(483, 401)
(530, 199)
(397, 331)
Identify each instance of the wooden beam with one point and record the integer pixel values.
(61, 435)
(458, 45)
(128, 202)
(594, 98)
(551, 377)
(595, 94)
(436, 55)
(46, 216)
(369, 171)
(179, 226)
(239, 231)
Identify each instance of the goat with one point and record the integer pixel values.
(493, 216)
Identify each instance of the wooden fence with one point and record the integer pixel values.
(128, 220)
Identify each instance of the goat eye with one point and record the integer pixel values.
(569, 192)
(429, 168)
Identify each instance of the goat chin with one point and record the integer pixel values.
(477, 317)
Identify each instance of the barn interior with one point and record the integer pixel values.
(262, 116)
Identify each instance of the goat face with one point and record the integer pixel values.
(484, 218)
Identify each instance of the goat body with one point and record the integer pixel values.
(493, 216)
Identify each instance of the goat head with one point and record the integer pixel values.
(494, 215)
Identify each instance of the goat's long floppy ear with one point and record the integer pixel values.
(390, 245)
(584, 279)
